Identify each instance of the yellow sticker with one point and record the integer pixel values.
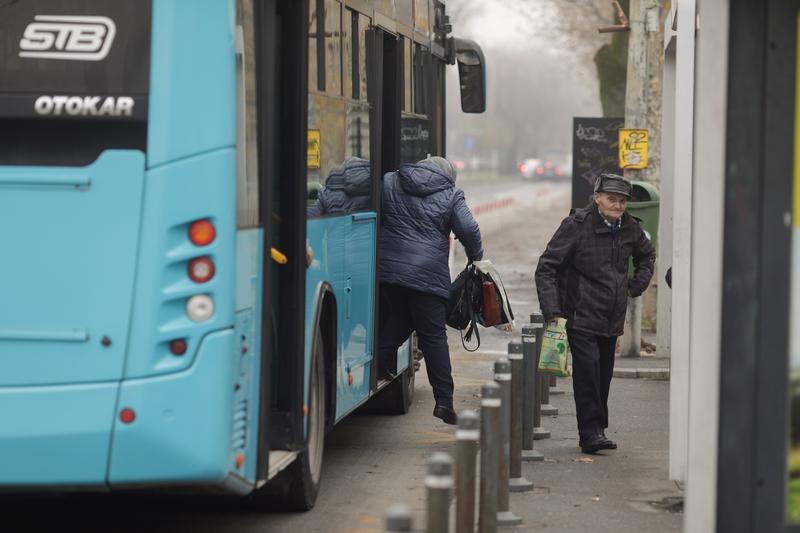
(314, 149)
(633, 148)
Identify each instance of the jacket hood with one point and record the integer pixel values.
(425, 178)
(352, 176)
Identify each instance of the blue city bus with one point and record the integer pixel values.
(172, 316)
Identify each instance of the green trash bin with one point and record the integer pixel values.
(644, 204)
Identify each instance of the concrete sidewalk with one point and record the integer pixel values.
(613, 491)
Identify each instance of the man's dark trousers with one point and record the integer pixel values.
(592, 369)
(404, 310)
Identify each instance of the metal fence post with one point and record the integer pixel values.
(490, 456)
(502, 375)
(529, 400)
(467, 436)
(538, 431)
(398, 518)
(517, 483)
(439, 483)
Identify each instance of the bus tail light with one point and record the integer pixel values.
(127, 416)
(202, 232)
(200, 307)
(177, 347)
(201, 269)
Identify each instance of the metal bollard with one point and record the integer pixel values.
(547, 408)
(490, 456)
(529, 400)
(517, 483)
(553, 381)
(554, 390)
(439, 483)
(502, 375)
(398, 518)
(538, 431)
(467, 437)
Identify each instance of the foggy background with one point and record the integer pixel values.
(541, 72)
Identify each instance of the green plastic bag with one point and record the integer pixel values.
(555, 349)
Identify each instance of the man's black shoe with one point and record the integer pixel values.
(611, 444)
(447, 414)
(595, 444)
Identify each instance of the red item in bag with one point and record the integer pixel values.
(491, 311)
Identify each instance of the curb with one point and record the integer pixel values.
(643, 373)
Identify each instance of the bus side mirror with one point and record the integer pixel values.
(471, 75)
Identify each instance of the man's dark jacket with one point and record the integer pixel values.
(583, 273)
(420, 206)
(346, 190)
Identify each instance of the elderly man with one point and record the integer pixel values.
(420, 207)
(583, 277)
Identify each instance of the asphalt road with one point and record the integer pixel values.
(373, 461)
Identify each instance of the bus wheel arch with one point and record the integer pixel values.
(327, 326)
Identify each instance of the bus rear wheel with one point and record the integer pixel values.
(306, 471)
(296, 488)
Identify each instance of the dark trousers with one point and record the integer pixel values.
(592, 369)
(403, 310)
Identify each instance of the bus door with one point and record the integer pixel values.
(385, 70)
(282, 160)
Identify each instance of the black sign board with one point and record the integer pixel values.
(86, 60)
(595, 143)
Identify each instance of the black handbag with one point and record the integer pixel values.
(464, 305)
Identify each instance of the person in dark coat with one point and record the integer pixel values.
(346, 190)
(583, 277)
(420, 206)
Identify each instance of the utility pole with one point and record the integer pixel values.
(643, 111)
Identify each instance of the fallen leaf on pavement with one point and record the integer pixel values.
(595, 498)
(584, 460)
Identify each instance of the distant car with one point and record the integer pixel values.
(564, 171)
(542, 169)
(528, 167)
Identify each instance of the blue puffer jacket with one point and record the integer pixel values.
(346, 190)
(420, 207)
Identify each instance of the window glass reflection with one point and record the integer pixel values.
(333, 47)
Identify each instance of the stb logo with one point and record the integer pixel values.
(68, 37)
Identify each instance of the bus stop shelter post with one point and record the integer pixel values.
(467, 437)
(502, 375)
(529, 394)
(439, 484)
(517, 483)
(538, 431)
(490, 456)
